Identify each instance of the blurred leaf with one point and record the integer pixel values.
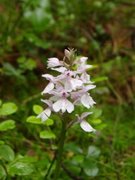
(34, 120)
(26, 63)
(73, 168)
(93, 151)
(2, 172)
(96, 121)
(96, 113)
(78, 159)
(25, 159)
(2, 142)
(7, 124)
(9, 70)
(73, 147)
(6, 153)
(47, 135)
(7, 109)
(20, 168)
(90, 168)
(100, 79)
(37, 109)
(91, 171)
(32, 38)
(101, 126)
(30, 64)
(49, 122)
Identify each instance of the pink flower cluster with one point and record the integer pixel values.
(69, 88)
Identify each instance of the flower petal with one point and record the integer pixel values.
(48, 88)
(87, 101)
(45, 114)
(57, 105)
(68, 85)
(60, 69)
(53, 62)
(48, 102)
(76, 83)
(69, 106)
(47, 111)
(89, 87)
(86, 126)
(85, 114)
(48, 77)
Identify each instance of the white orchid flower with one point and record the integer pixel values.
(50, 85)
(54, 62)
(63, 103)
(84, 124)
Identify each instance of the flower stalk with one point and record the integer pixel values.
(59, 153)
(66, 91)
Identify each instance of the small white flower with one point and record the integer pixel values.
(70, 81)
(82, 65)
(63, 105)
(50, 85)
(84, 124)
(83, 97)
(54, 62)
(87, 100)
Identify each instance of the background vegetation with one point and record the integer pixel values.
(30, 32)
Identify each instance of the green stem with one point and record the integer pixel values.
(50, 167)
(60, 150)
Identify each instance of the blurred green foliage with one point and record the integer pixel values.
(33, 30)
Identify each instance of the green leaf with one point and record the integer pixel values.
(10, 70)
(2, 172)
(20, 168)
(90, 168)
(2, 142)
(78, 159)
(8, 124)
(25, 63)
(8, 108)
(34, 120)
(96, 113)
(6, 153)
(73, 147)
(101, 126)
(100, 79)
(93, 151)
(30, 64)
(25, 159)
(96, 121)
(49, 122)
(91, 171)
(37, 109)
(47, 135)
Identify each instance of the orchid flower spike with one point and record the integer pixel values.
(68, 88)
